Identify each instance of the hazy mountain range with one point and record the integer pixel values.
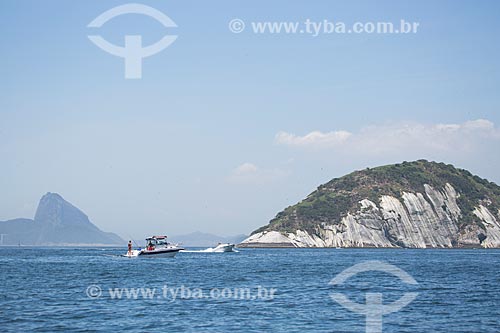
(412, 204)
(56, 222)
(59, 223)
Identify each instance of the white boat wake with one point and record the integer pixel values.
(208, 250)
(220, 248)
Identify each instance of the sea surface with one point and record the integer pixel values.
(255, 290)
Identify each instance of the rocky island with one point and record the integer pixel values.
(417, 204)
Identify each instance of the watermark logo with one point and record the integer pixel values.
(133, 52)
(325, 27)
(93, 291)
(373, 308)
(236, 26)
(172, 293)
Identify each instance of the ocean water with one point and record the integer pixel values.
(255, 290)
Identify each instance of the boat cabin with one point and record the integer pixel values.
(156, 241)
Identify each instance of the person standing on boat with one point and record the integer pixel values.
(129, 247)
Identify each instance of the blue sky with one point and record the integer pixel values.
(224, 130)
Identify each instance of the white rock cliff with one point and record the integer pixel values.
(416, 220)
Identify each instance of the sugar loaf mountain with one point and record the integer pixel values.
(417, 204)
(56, 222)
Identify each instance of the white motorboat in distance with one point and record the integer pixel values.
(223, 247)
(220, 248)
(156, 247)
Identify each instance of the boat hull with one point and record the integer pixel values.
(161, 253)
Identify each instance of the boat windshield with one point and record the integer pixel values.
(161, 241)
(156, 241)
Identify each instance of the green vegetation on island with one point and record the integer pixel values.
(334, 200)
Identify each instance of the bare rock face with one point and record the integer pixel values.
(55, 211)
(490, 235)
(431, 218)
(271, 239)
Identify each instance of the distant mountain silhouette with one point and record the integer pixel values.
(57, 222)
